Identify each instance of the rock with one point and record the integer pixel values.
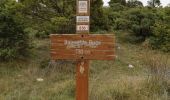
(116, 57)
(40, 79)
(131, 66)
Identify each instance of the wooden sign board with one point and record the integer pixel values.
(86, 46)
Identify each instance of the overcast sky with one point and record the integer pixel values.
(163, 2)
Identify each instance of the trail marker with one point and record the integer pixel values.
(82, 47)
(82, 19)
(82, 28)
(82, 6)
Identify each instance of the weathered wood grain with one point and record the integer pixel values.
(83, 46)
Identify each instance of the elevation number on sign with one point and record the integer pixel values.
(82, 27)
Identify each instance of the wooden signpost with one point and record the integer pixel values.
(82, 47)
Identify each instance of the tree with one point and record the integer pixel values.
(154, 3)
(98, 23)
(45, 11)
(161, 37)
(122, 2)
(134, 3)
(14, 41)
(41, 14)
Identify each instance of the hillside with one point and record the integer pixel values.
(129, 77)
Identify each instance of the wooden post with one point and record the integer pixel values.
(82, 68)
(82, 47)
(82, 71)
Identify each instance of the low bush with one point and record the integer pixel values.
(161, 37)
(14, 42)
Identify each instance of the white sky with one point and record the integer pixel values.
(163, 2)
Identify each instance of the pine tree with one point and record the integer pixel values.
(122, 2)
(134, 3)
(97, 23)
(154, 3)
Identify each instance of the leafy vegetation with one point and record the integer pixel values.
(39, 18)
(144, 23)
(13, 40)
(138, 73)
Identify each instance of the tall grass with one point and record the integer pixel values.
(157, 83)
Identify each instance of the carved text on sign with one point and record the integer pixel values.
(81, 43)
(83, 52)
(82, 46)
(82, 27)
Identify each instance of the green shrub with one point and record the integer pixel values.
(121, 24)
(141, 21)
(117, 7)
(42, 34)
(161, 37)
(13, 40)
(32, 32)
(62, 25)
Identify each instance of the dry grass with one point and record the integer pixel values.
(109, 80)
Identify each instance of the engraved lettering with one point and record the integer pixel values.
(81, 43)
